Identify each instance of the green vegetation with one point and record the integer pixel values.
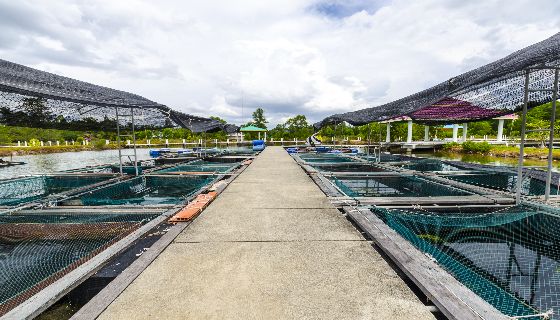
(476, 147)
(484, 148)
(295, 127)
(259, 119)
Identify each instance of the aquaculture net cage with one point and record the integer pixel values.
(393, 186)
(504, 181)
(23, 190)
(509, 257)
(145, 190)
(38, 248)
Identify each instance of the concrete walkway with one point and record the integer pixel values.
(271, 246)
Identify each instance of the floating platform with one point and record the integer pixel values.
(270, 246)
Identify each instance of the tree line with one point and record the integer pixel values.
(20, 124)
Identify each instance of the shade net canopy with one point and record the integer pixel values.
(75, 100)
(489, 91)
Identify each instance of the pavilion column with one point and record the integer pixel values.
(500, 130)
(265, 136)
(388, 137)
(409, 135)
(455, 131)
(426, 133)
(465, 132)
(259, 135)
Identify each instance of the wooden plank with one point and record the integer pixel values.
(443, 200)
(451, 297)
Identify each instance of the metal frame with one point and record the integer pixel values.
(524, 131)
(119, 141)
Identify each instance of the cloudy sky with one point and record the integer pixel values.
(312, 57)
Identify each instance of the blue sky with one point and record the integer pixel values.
(312, 57)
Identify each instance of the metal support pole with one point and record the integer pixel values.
(551, 137)
(134, 142)
(522, 142)
(119, 140)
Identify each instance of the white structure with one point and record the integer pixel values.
(409, 133)
(388, 122)
(455, 132)
(501, 121)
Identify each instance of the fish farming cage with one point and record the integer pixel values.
(144, 190)
(326, 158)
(54, 227)
(39, 247)
(357, 167)
(394, 186)
(505, 254)
(509, 257)
(29, 189)
(199, 167)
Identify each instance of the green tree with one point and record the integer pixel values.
(218, 119)
(298, 127)
(259, 119)
(37, 113)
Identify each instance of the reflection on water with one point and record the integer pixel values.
(485, 159)
(393, 187)
(48, 163)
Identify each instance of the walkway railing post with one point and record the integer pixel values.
(551, 137)
(522, 143)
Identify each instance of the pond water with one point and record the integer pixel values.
(48, 163)
(490, 160)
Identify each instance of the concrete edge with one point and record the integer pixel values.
(451, 297)
(96, 306)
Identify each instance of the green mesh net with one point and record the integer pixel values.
(349, 167)
(23, 190)
(325, 158)
(145, 190)
(393, 186)
(200, 166)
(510, 258)
(504, 181)
(37, 249)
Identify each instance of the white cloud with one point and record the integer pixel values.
(314, 57)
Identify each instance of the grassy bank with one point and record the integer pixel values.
(486, 149)
(7, 151)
